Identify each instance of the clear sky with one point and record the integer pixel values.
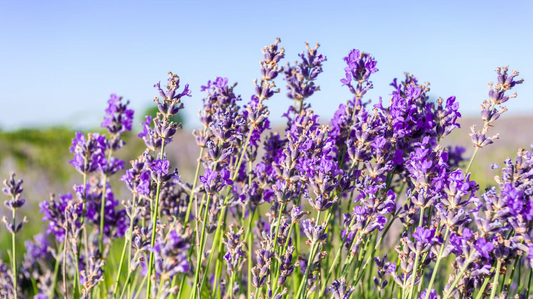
(60, 60)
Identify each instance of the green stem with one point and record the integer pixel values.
(257, 291)
(458, 277)
(204, 278)
(284, 249)
(140, 286)
(274, 262)
(309, 262)
(119, 272)
(519, 277)
(102, 211)
(471, 160)
(182, 283)
(495, 282)
(126, 243)
(202, 238)
(415, 269)
(197, 173)
(250, 239)
(487, 279)
(77, 275)
(337, 256)
(439, 258)
(56, 271)
(529, 280)
(218, 267)
(374, 250)
(103, 203)
(512, 274)
(14, 259)
(155, 214)
(230, 287)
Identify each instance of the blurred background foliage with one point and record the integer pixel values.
(38, 148)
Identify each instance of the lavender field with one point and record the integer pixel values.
(400, 197)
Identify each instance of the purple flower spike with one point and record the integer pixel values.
(432, 294)
(119, 118)
(360, 66)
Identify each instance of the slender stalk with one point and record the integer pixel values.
(193, 190)
(250, 240)
(102, 204)
(126, 243)
(161, 282)
(14, 257)
(282, 250)
(230, 287)
(65, 267)
(495, 282)
(182, 283)
(77, 275)
(204, 278)
(512, 275)
(56, 271)
(519, 277)
(218, 265)
(273, 273)
(119, 272)
(155, 214)
(458, 277)
(140, 286)
(222, 215)
(415, 269)
(257, 291)
(480, 293)
(529, 280)
(199, 262)
(309, 262)
(439, 258)
(471, 160)
(374, 250)
(337, 256)
(314, 247)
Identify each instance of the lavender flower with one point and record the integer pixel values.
(88, 152)
(170, 255)
(314, 233)
(432, 294)
(340, 289)
(234, 256)
(118, 120)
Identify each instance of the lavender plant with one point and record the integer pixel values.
(304, 213)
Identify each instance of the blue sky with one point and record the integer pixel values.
(60, 60)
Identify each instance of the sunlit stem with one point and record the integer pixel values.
(77, 275)
(439, 258)
(14, 257)
(415, 269)
(471, 160)
(193, 190)
(56, 271)
(103, 204)
(199, 257)
(155, 212)
(309, 262)
(460, 275)
(127, 243)
(495, 282)
(337, 256)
